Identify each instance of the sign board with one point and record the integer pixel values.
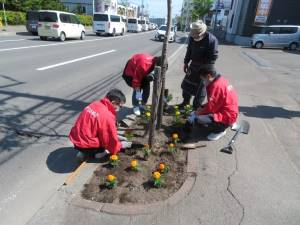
(262, 11)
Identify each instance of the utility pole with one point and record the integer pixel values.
(5, 20)
(187, 15)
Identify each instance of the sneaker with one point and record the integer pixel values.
(235, 126)
(101, 154)
(216, 136)
(136, 110)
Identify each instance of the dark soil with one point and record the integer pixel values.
(137, 187)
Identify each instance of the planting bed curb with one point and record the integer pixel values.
(136, 209)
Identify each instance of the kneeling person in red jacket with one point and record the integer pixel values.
(221, 109)
(95, 133)
(138, 73)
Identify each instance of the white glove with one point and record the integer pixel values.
(122, 138)
(191, 119)
(138, 95)
(126, 144)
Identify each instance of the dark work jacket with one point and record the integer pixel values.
(202, 52)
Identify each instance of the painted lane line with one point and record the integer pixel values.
(13, 40)
(67, 43)
(74, 60)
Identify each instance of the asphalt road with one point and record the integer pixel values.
(43, 87)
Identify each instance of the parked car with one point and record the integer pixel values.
(32, 20)
(60, 25)
(161, 32)
(104, 23)
(277, 36)
(134, 25)
(144, 24)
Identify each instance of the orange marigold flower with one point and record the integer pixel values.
(134, 163)
(162, 166)
(111, 178)
(146, 146)
(175, 136)
(171, 145)
(156, 175)
(114, 157)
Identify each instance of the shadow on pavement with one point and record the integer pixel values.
(62, 160)
(24, 34)
(296, 52)
(268, 112)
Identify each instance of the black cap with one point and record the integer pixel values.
(207, 68)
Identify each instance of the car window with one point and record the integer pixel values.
(275, 30)
(100, 17)
(114, 18)
(48, 17)
(65, 18)
(163, 28)
(32, 16)
(131, 20)
(288, 30)
(74, 19)
(143, 21)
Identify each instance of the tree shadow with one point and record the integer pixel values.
(268, 112)
(295, 52)
(62, 160)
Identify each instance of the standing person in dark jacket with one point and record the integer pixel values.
(95, 132)
(202, 49)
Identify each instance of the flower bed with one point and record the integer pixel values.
(141, 175)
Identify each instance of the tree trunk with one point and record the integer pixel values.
(163, 69)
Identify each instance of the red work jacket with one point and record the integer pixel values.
(138, 67)
(222, 101)
(96, 127)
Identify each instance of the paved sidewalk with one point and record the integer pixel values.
(257, 185)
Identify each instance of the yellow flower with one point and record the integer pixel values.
(114, 158)
(111, 178)
(146, 146)
(171, 145)
(148, 114)
(175, 136)
(177, 113)
(156, 175)
(176, 107)
(161, 166)
(134, 163)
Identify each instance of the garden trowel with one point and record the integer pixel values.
(242, 127)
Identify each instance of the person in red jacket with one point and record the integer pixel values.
(221, 109)
(95, 133)
(138, 73)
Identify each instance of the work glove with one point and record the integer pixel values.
(185, 68)
(122, 138)
(138, 95)
(192, 117)
(126, 144)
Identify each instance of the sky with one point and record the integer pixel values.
(158, 8)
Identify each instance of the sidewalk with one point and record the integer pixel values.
(257, 185)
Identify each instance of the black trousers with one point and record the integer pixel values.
(90, 152)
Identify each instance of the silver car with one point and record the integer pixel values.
(277, 36)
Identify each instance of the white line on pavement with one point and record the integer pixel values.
(74, 60)
(12, 40)
(66, 43)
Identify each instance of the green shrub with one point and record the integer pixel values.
(85, 20)
(14, 18)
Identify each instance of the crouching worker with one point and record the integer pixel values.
(221, 109)
(138, 73)
(95, 133)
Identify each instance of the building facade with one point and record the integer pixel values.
(246, 17)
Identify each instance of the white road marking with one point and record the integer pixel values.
(66, 43)
(74, 60)
(12, 40)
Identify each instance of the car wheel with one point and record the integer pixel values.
(98, 34)
(82, 36)
(293, 46)
(62, 36)
(43, 38)
(259, 44)
(159, 38)
(114, 32)
(122, 32)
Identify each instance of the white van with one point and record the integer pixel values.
(145, 26)
(133, 25)
(277, 36)
(104, 23)
(61, 25)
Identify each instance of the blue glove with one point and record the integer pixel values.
(192, 117)
(138, 95)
